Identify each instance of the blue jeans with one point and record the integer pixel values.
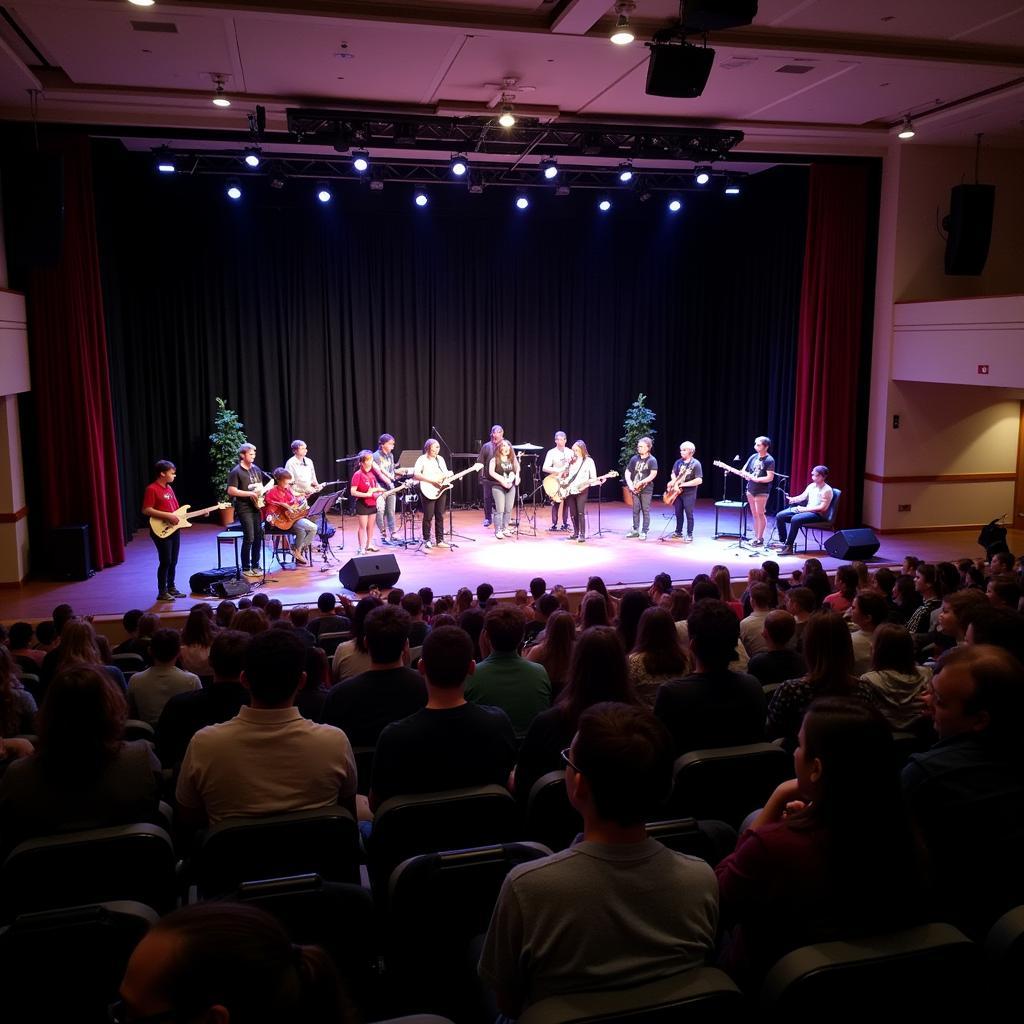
(504, 505)
(386, 511)
(796, 520)
(642, 504)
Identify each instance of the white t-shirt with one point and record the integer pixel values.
(303, 475)
(578, 481)
(426, 466)
(557, 459)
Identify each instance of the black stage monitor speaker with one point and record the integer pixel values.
(363, 571)
(715, 15)
(218, 583)
(69, 552)
(970, 228)
(853, 545)
(679, 71)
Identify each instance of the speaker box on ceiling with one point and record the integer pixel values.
(715, 15)
(853, 545)
(363, 571)
(678, 71)
(69, 552)
(970, 228)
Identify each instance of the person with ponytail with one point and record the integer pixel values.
(228, 963)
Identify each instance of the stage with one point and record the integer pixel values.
(506, 564)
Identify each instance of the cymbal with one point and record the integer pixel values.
(527, 447)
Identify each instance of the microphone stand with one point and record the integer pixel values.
(451, 492)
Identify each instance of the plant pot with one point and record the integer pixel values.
(627, 496)
(225, 515)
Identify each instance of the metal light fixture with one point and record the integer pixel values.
(622, 34)
(323, 193)
(701, 175)
(252, 156)
(549, 169)
(907, 130)
(507, 118)
(625, 173)
(165, 162)
(360, 160)
(220, 99)
(458, 165)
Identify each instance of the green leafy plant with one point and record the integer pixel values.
(639, 422)
(225, 441)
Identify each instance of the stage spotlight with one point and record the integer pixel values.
(549, 169)
(234, 189)
(604, 204)
(907, 130)
(507, 118)
(674, 205)
(360, 160)
(522, 202)
(731, 188)
(323, 193)
(142, 3)
(625, 173)
(421, 199)
(219, 97)
(458, 166)
(701, 175)
(165, 163)
(622, 34)
(252, 156)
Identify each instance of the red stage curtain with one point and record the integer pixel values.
(70, 374)
(828, 351)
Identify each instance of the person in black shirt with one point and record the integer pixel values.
(687, 476)
(449, 744)
(487, 453)
(245, 487)
(759, 471)
(780, 662)
(640, 474)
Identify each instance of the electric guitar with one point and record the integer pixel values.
(559, 492)
(732, 469)
(432, 490)
(384, 495)
(164, 527)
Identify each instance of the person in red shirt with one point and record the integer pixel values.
(365, 488)
(281, 498)
(160, 502)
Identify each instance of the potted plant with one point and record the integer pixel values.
(225, 441)
(639, 422)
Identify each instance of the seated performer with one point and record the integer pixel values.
(365, 487)
(503, 471)
(579, 475)
(555, 462)
(816, 498)
(640, 474)
(430, 470)
(687, 476)
(304, 482)
(282, 501)
(759, 471)
(159, 502)
(384, 469)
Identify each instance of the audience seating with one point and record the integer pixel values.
(324, 841)
(931, 969)
(405, 826)
(364, 768)
(437, 903)
(700, 994)
(1004, 948)
(136, 729)
(338, 916)
(550, 818)
(125, 862)
(67, 965)
(710, 840)
(30, 681)
(726, 783)
(328, 642)
(129, 661)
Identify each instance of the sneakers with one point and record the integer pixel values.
(581, 540)
(689, 539)
(553, 528)
(385, 542)
(251, 572)
(632, 534)
(643, 536)
(427, 544)
(786, 549)
(175, 592)
(565, 527)
(371, 547)
(443, 544)
(359, 551)
(573, 536)
(499, 535)
(165, 597)
(677, 534)
(487, 522)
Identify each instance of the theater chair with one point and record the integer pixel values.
(126, 862)
(550, 818)
(698, 995)
(932, 970)
(712, 841)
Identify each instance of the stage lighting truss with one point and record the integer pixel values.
(548, 169)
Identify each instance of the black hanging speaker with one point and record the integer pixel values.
(69, 552)
(679, 71)
(363, 571)
(715, 15)
(970, 228)
(853, 545)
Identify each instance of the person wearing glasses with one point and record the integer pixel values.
(545, 937)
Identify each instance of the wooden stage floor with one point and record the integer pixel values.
(506, 564)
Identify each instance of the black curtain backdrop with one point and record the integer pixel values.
(336, 323)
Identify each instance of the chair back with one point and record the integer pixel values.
(364, 768)
(727, 783)
(30, 681)
(125, 862)
(833, 508)
(129, 661)
(328, 642)
(550, 818)
(1004, 950)
(710, 840)
(697, 995)
(136, 729)
(324, 841)
(931, 970)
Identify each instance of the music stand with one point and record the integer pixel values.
(320, 508)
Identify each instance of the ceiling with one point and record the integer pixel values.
(807, 77)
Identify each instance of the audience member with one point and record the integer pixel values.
(229, 962)
(801, 604)
(20, 643)
(268, 759)
(597, 583)
(593, 610)
(77, 646)
(721, 579)
(449, 744)
(596, 915)
(484, 592)
(46, 636)
(186, 713)
(999, 626)
(328, 620)
(472, 621)
(395, 595)
(752, 627)
(554, 652)
(957, 613)
(299, 618)
(816, 580)
(388, 690)
(544, 607)
(632, 605)
(906, 599)
(152, 688)
(353, 656)
(919, 622)
(831, 855)
(463, 601)
(196, 638)
(712, 706)
(505, 680)
(898, 682)
(17, 705)
(250, 620)
(1002, 591)
(657, 657)
(82, 775)
(275, 609)
(130, 624)
(829, 655)
(868, 611)
(418, 629)
(846, 585)
(224, 614)
(779, 661)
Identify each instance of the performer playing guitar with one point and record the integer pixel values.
(681, 492)
(244, 485)
(159, 503)
(365, 487)
(431, 471)
(640, 474)
(286, 512)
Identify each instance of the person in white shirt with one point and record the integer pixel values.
(807, 507)
(581, 474)
(430, 470)
(868, 611)
(555, 463)
(304, 481)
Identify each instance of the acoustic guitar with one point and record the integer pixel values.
(558, 490)
(284, 517)
(433, 490)
(675, 486)
(164, 527)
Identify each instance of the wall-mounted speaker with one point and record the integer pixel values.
(678, 70)
(970, 228)
(853, 545)
(363, 571)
